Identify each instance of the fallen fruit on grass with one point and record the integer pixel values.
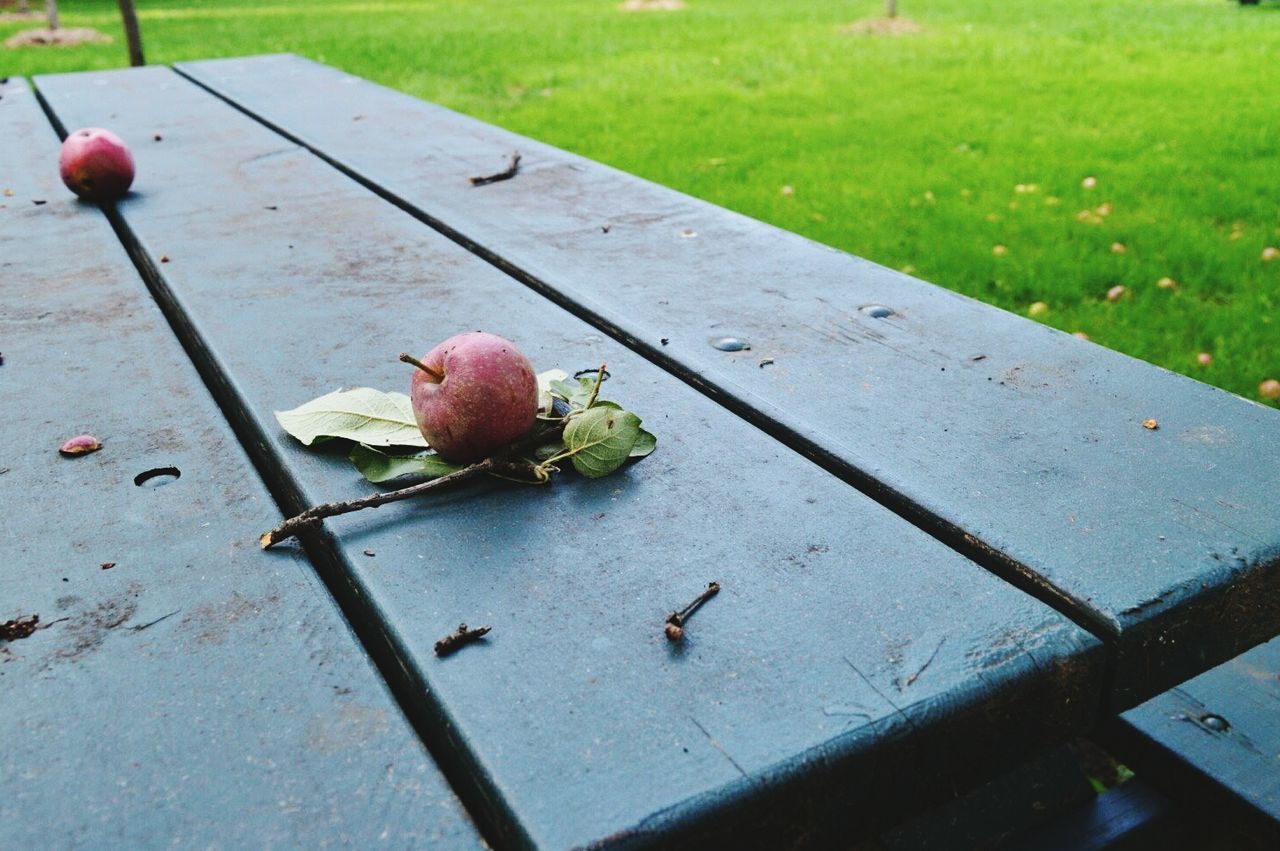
(1269, 389)
(81, 444)
(96, 165)
(473, 395)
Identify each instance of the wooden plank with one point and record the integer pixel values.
(851, 663)
(1016, 804)
(180, 689)
(1017, 444)
(1213, 742)
(1131, 817)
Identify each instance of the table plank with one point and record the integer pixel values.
(191, 694)
(851, 663)
(1214, 741)
(1017, 444)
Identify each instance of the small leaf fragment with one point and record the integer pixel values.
(378, 467)
(601, 440)
(362, 414)
(545, 397)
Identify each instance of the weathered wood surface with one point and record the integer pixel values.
(1214, 741)
(850, 668)
(1015, 443)
(193, 694)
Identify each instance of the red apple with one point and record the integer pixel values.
(473, 395)
(96, 165)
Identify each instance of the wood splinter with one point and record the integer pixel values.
(677, 620)
(456, 640)
(506, 174)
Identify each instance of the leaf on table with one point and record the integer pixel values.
(545, 397)
(571, 390)
(380, 467)
(601, 440)
(645, 443)
(576, 391)
(362, 414)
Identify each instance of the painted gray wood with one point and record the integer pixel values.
(193, 694)
(852, 668)
(1214, 741)
(1019, 445)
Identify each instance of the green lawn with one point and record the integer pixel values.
(922, 151)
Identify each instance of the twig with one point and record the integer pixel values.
(506, 174)
(677, 620)
(497, 465)
(455, 640)
(141, 627)
(19, 627)
(595, 389)
(294, 525)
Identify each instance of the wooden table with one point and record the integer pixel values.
(946, 541)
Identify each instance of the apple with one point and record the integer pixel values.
(473, 395)
(96, 165)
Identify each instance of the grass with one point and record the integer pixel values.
(909, 149)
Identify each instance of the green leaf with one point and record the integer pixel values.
(601, 440)
(544, 389)
(550, 449)
(380, 467)
(572, 391)
(645, 443)
(361, 414)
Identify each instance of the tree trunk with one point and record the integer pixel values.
(891, 8)
(51, 9)
(130, 16)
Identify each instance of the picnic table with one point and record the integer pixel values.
(945, 538)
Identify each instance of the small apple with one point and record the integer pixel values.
(96, 165)
(473, 395)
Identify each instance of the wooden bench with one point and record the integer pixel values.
(1018, 559)
(1016, 444)
(179, 688)
(1214, 741)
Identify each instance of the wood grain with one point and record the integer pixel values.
(1018, 445)
(181, 689)
(850, 664)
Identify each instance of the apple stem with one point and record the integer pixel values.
(408, 358)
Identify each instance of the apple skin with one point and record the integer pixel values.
(96, 165)
(487, 398)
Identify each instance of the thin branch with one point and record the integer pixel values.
(294, 525)
(452, 642)
(595, 389)
(506, 174)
